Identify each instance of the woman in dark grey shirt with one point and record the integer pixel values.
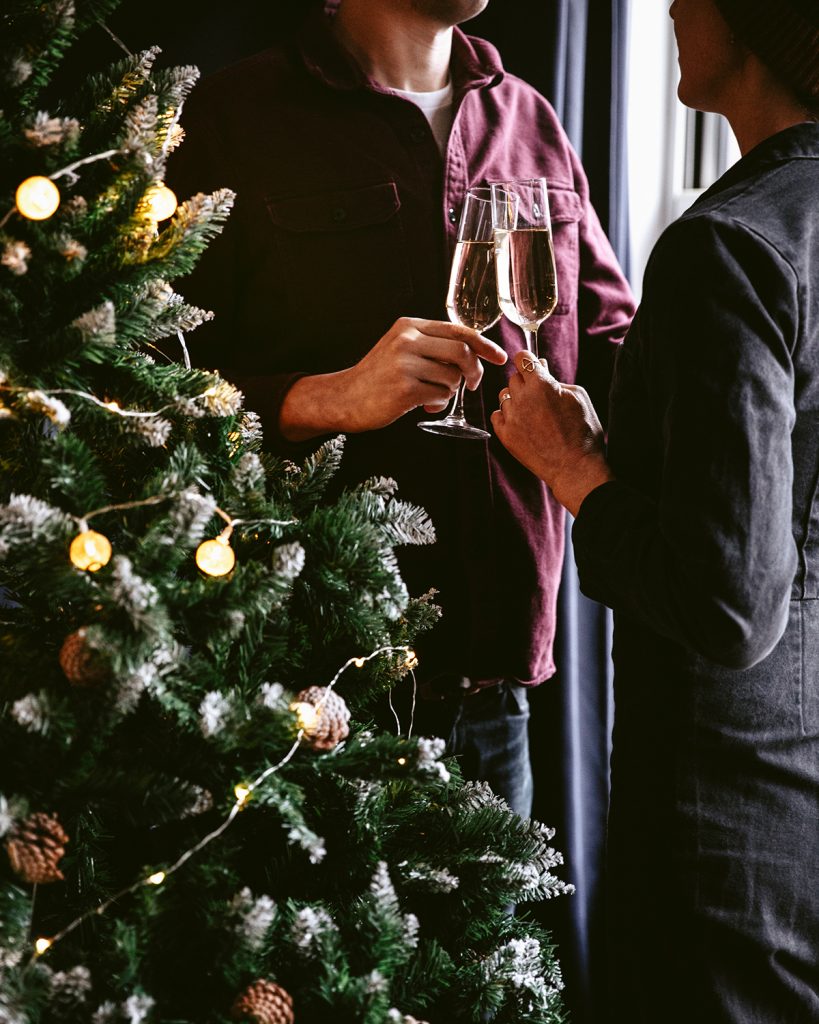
(699, 526)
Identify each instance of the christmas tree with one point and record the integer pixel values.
(194, 828)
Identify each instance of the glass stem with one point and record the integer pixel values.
(456, 411)
(531, 340)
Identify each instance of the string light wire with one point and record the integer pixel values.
(242, 793)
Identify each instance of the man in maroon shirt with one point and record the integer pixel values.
(351, 148)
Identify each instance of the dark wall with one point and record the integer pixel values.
(223, 32)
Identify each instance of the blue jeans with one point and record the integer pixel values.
(488, 731)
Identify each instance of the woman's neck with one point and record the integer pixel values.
(760, 106)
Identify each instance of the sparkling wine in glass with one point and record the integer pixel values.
(472, 298)
(524, 254)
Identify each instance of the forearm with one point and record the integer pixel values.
(726, 605)
(316, 405)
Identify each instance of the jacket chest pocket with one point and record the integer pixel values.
(342, 254)
(566, 211)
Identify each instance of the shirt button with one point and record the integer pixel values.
(453, 216)
(339, 214)
(418, 134)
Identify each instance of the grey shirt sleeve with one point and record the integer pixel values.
(699, 548)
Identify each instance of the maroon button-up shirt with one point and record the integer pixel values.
(345, 220)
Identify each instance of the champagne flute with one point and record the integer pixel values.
(524, 254)
(472, 298)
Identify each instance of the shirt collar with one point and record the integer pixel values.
(475, 63)
(800, 140)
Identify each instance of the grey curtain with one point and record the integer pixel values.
(574, 52)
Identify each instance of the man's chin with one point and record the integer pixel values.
(450, 12)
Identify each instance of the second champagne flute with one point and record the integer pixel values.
(524, 254)
(472, 299)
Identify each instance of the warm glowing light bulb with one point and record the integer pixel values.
(157, 878)
(242, 792)
(113, 406)
(402, 760)
(90, 551)
(161, 201)
(216, 557)
(37, 198)
(307, 715)
(42, 945)
(359, 662)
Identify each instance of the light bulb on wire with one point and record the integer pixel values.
(37, 197)
(242, 792)
(90, 551)
(307, 716)
(216, 557)
(160, 201)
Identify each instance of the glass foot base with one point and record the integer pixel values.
(454, 426)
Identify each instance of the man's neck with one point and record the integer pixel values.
(399, 49)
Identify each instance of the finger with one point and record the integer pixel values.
(433, 395)
(481, 346)
(504, 395)
(431, 371)
(498, 424)
(456, 354)
(528, 366)
(504, 400)
(436, 407)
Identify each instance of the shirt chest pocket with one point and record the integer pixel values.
(566, 211)
(342, 254)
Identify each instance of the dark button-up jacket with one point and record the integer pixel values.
(707, 547)
(345, 220)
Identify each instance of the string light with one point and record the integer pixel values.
(160, 201)
(37, 198)
(402, 760)
(113, 406)
(90, 551)
(216, 557)
(242, 792)
(39, 190)
(307, 716)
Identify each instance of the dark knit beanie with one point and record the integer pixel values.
(785, 35)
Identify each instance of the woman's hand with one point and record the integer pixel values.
(553, 430)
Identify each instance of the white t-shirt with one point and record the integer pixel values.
(437, 109)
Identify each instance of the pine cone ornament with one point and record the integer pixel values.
(331, 724)
(35, 847)
(264, 1002)
(81, 664)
